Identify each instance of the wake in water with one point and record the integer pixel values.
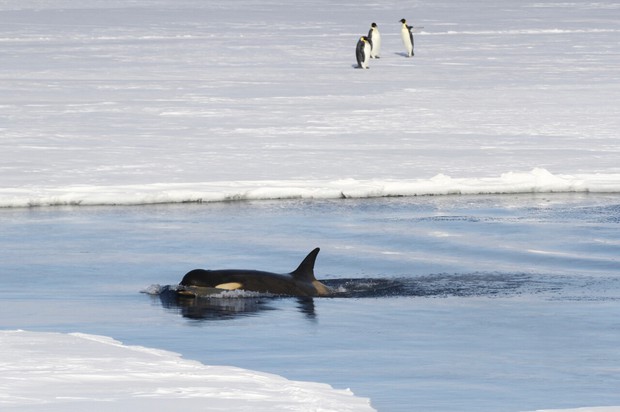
(230, 304)
(441, 285)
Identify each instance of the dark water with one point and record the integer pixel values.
(456, 303)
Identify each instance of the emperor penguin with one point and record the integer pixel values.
(362, 52)
(375, 41)
(405, 33)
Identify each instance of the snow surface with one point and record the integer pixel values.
(173, 101)
(144, 101)
(60, 372)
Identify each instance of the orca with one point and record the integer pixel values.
(300, 282)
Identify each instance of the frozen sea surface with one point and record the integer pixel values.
(146, 102)
(76, 372)
(478, 303)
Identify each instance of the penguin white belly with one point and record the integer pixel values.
(376, 44)
(406, 36)
(366, 55)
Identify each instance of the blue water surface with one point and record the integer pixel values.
(470, 303)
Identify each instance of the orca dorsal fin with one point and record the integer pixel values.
(305, 271)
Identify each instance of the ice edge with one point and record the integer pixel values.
(537, 180)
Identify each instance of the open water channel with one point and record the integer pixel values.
(452, 303)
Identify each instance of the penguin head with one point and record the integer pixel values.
(373, 25)
(403, 21)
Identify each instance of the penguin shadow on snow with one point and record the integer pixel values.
(402, 54)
